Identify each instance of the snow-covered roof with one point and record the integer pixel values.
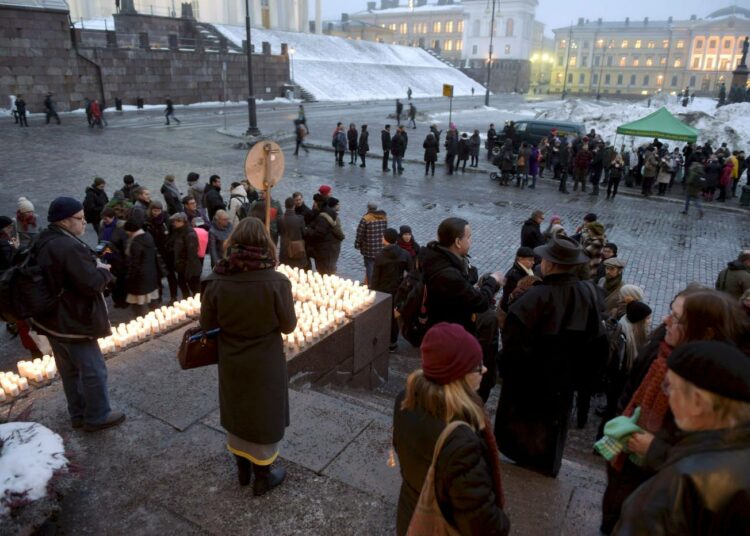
(729, 11)
(49, 5)
(106, 23)
(427, 8)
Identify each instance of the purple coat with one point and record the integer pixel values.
(534, 161)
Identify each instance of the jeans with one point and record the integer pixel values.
(697, 202)
(396, 163)
(612, 186)
(369, 265)
(84, 377)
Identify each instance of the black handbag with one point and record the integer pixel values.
(199, 348)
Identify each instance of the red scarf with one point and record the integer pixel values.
(26, 219)
(408, 247)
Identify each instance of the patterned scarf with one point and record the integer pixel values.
(244, 259)
(651, 398)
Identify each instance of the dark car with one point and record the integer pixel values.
(532, 131)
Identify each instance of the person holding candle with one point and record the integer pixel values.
(252, 304)
(79, 316)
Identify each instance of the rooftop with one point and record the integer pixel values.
(427, 8)
(48, 5)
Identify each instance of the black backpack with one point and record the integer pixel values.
(24, 291)
(411, 302)
(244, 209)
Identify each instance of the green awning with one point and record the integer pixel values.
(660, 124)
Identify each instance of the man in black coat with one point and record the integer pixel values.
(79, 316)
(95, 201)
(553, 344)
(398, 148)
(521, 268)
(172, 195)
(531, 232)
(21, 111)
(456, 294)
(213, 200)
(385, 140)
(390, 266)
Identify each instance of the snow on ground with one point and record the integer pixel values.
(483, 115)
(726, 124)
(29, 457)
(338, 69)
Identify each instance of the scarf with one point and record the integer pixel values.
(494, 452)
(408, 247)
(26, 219)
(650, 397)
(610, 285)
(244, 259)
(107, 230)
(158, 221)
(172, 188)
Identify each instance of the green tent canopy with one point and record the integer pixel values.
(660, 124)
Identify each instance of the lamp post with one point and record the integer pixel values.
(489, 58)
(567, 61)
(252, 129)
(601, 73)
(291, 62)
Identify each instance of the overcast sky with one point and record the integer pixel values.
(557, 13)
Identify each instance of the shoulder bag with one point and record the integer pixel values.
(199, 348)
(428, 519)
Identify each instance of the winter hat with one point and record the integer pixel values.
(155, 204)
(324, 189)
(5, 221)
(637, 311)
(524, 252)
(589, 217)
(449, 353)
(372, 205)
(133, 224)
(62, 208)
(390, 235)
(555, 218)
(98, 181)
(332, 202)
(24, 205)
(718, 367)
(403, 230)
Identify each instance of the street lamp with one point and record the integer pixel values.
(489, 57)
(252, 129)
(291, 61)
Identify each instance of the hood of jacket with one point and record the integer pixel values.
(437, 258)
(238, 190)
(376, 215)
(737, 265)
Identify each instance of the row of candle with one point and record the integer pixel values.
(328, 290)
(11, 385)
(312, 323)
(39, 369)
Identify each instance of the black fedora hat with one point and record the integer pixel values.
(562, 250)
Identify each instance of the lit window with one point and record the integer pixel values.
(659, 80)
(662, 60)
(573, 44)
(611, 43)
(678, 62)
(459, 45)
(665, 43)
(437, 27)
(709, 63)
(623, 61)
(563, 44)
(449, 27)
(460, 26)
(572, 61)
(651, 44)
(402, 29)
(624, 44)
(392, 27)
(680, 43)
(636, 62)
(696, 63)
(600, 43)
(637, 43)
(649, 61)
(724, 65)
(559, 78)
(448, 44)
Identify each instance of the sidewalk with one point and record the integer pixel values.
(166, 469)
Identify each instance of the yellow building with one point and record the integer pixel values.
(649, 57)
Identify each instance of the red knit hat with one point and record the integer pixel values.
(449, 353)
(324, 189)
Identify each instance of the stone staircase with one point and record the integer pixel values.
(305, 95)
(212, 38)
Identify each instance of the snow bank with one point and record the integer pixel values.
(30, 456)
(338, 69)
(726, 124)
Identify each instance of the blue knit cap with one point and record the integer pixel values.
(63, 207)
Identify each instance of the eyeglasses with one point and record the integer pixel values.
(480, 369)
(80, 218)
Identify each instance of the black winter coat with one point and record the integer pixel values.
(451, 294)
(451, 145)
(390, 265)
(94, 203)
(702, 489)
(143, 269)
(172, 198)
(69, 267)
(531, 234)
(463, 149)
(398, 145)
(185, 251)
(6, 254)
(464, 487)
(430, 149)
(363, 147)
(324, 238)
(512, 277)
(351, 136)
(213, 202)
(291, 227)
(385, 140)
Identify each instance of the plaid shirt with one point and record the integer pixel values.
(370, 230)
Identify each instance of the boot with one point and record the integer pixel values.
(267, 478)
(243, 470)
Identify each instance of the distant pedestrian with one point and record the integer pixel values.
(96, 114)
(398, 148)
(352, 139)
(399, 111)
(50, 109)
(13, 109)
(408, 93)
(21, 111)
(474, 143)
(363, 146)
(339, 144)
(413, 115)
(472, 91)
(430, 146)
(385, 141)
(301, 133)
(169, 111)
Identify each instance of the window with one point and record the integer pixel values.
(619, 79)
(584, 61)
(581, 78)
(459, 45)
(560, 60)
(674, 81)
(709, 63)
(436, 44)
(696, 63)
(665, 43)
(724, 65)
(562, 44)
(460, 26)
(559, 78)
(402, 28)
(597, 60)
(507, 49)
(651, 44)
(699, 43)
(449, 27)
(448, 45)
(623, 61)
(624, 44)
(594, 79)
(600, 43)
(473, 50)
(509, 28)
(645, 80)
(632, 79)
(437, 27)
(662, 60)
(692, 81)
(678, 62)
(392, 27)
(636, 61)
(611, 43)
(649, 61)
(585, 44)
(638, 43)
(607, 79)
(570, 78)
(475, 26)
(680, 43)
(728, 43)
(659, 80)
(712, 44)
(610, 60)
(573, 44)
(572, 61)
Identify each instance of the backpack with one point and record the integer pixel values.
(244, 209)
(411, 302)
(24, 291)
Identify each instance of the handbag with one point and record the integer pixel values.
(199, 348)
(427, 519)
(295, 249)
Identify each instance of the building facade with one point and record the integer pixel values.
(288, 15)
(649, 57)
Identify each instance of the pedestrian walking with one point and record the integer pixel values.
(301, 133)
(50, 109)
(408, 93)
(79, 316)
(693, 185)
(253, 391)
(351, 137)
(94, 202)
(399, 111)
(21, 111)
(369, 238)
(412, 115)
(385, 142)
(169, 111)
(363, 145)
(430, 146)
(97, 117)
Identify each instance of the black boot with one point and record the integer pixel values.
(243, 470)
(267, 478)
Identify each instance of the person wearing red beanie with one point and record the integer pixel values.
(467, 480)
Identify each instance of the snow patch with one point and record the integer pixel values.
(31, 453)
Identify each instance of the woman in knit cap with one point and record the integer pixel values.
(25, 222)
(704, 485)
(467, 487)
(143, 281)
(695, 315)
(407, 243)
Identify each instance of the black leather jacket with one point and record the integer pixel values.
(702, 489)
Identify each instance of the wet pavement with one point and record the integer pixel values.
(165, 470)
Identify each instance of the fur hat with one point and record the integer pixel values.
(24, 205)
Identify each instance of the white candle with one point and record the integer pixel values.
(23, 384)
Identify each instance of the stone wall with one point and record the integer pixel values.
(507, 76)
(37, 56)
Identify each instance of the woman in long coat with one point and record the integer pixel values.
(143, 280)
(430, 153)
(252, 304)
